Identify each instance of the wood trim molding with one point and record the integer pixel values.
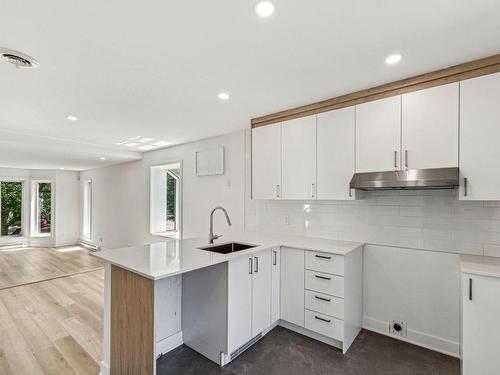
(455, 73)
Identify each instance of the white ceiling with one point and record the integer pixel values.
(154, 68)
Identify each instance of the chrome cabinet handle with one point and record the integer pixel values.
(465, 186)
(256, 267)
(323, 299)
(322, 277)
(278, 191)
(322, 256)
(406, 159)
(275, 257)
(395, 160)
(470, 289)
(313, 190)
(250, 266)
(322, 319)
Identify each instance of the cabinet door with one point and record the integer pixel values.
(335, 153)
(481, 326)
(299, 158)
(292, 286)
(275, 283)
(239, 302)
(430, 127)
(266, 162)
(378, 133)
(479, 135)
(261, 292)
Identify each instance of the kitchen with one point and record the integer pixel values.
(349, 226)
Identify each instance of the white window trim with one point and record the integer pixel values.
(24, 214)
(35, 222)
(87, 236)
(179, 206)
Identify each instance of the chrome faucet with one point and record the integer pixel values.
(211, 235)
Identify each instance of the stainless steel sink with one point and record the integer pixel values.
(227, 248)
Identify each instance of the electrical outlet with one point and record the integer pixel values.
(398, 328)
(287, 219)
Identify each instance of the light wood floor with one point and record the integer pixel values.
(53, 327)
(22, 266)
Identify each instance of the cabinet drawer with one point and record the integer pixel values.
(323, 303)
(325, 283)
(324, 262)
(325, 325)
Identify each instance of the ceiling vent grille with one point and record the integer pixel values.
(18, 59)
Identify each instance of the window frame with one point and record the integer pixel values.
(159, 189)
(24, 216)
(35, 208)
(87, 210)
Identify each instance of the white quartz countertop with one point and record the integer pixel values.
(173, 257)
(479, 265)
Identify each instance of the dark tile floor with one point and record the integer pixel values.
(285, 352)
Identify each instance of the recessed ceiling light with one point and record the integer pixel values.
(264, 8)
(72, 118)
(102, 158)
(393, 59)
(223, 96)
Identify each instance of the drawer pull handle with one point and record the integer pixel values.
(323, 299)
(322, 277)
(322, 256)
(322, 319)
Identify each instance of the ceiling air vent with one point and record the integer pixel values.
(19, 59)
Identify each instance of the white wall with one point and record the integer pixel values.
(121, 193)
(65, 210)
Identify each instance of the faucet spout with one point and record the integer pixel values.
(211, 235)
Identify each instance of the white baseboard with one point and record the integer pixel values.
(422, 339)
(104, 369)
(168, 344)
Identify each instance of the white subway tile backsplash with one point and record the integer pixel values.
(431, 220)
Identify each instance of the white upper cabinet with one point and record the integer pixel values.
(479, 138)
(335, 153)
(430, 128)
(266, 162)
(378, 134)
(299, 158)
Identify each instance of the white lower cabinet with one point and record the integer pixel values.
(480, 325)
(249, 298)
(261, 292)
(292, 286)
(275, 284)
(325, 325)
(322, 294)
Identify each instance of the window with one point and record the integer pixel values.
(166, 199)
(11, 208)
(42, 218)
(87, 210)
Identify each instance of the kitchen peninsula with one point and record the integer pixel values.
(219, 300)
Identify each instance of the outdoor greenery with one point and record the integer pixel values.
(44, 199)
(11, 195)
(171, 198)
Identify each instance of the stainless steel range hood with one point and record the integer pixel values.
(412, 179)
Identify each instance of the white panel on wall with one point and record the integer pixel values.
(210, 162)
(420, 288)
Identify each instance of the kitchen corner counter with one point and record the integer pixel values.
(173, 257)
(480, 265)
